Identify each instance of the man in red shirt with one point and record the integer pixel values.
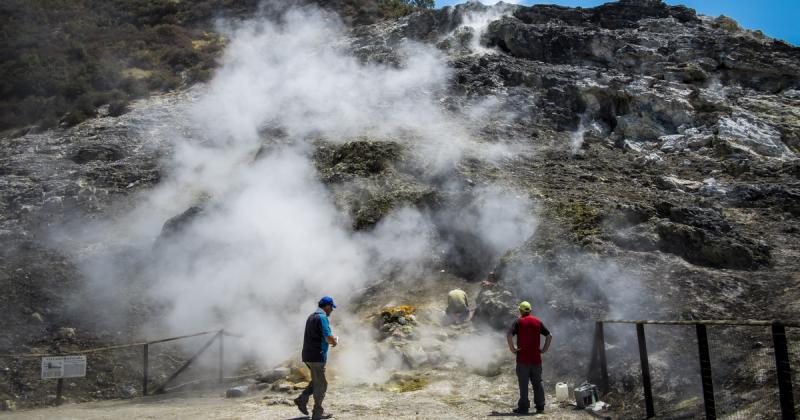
(527, 328)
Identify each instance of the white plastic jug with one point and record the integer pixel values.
(562, 392)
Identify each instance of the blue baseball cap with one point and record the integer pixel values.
(327, 300)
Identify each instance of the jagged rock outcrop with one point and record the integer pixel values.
(495, 307)
(368, 179)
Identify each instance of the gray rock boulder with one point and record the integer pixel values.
(237, 391)
(274, 375)
(178, 223)
(751, 135)
(127, 391)
(495, 307)
(704, 247)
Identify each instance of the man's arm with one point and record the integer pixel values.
(511, 346)
(547, 341)
(326, 332)
(333, 341)
(510, 337)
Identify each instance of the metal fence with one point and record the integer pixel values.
(156, 362)
(714, 369)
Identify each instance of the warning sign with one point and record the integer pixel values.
(55, 367)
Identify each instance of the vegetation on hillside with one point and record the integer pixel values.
(62, 59)
(397, 8)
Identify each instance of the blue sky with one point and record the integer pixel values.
(776, 18)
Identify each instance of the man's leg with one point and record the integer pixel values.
(538, 387)
(302, 400)
(523, 376)
(320, 386)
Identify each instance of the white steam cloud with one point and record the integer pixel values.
(268, 240)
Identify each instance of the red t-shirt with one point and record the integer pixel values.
(527, 328)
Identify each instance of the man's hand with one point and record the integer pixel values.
(332, 341)
(511, 346)
(547, 341)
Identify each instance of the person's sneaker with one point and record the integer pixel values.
(322, 416)
(301, 406)
(540, 410)
(519, 411)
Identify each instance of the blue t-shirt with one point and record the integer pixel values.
(315, 343)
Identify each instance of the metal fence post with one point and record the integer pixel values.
(145, 367)
(59, 390)
(784, 371)
(648, 390)
(601, 354)
(221, 355)
(705, 372)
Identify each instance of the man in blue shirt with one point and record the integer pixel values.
(316, 341)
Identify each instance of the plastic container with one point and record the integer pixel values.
(562, 392)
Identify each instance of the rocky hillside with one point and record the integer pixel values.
(660, 148)
(662, 136)
(63, 60)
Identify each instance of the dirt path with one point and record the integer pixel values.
(349, 403)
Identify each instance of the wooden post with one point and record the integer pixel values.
(221, 355)
(648, 390)
(59, 390)
(784, 371)
(145, 367)
(705, 372)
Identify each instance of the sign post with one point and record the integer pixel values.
(60, 367)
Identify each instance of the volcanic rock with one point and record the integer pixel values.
(176, 224)
(704, 247)
(752, 135)
(274, 375)
(126, 391)
(237, 391)
(66, 333)
(104, 153)
(495, 307)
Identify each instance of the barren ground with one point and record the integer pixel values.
(345, 403)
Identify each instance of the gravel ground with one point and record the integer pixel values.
(439, 401)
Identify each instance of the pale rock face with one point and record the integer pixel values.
(654, 111)
(673, 143)
(749, 134)
(677, 184)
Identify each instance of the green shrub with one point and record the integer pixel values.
(74, 118)
(133, 87)
(85, 104)
(118, 107)
(79, 53)
(199, 75)
(394, 9)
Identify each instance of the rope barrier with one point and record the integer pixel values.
(107, 348)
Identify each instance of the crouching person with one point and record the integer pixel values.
(457, 306)
(316, 341)
(528, 328)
